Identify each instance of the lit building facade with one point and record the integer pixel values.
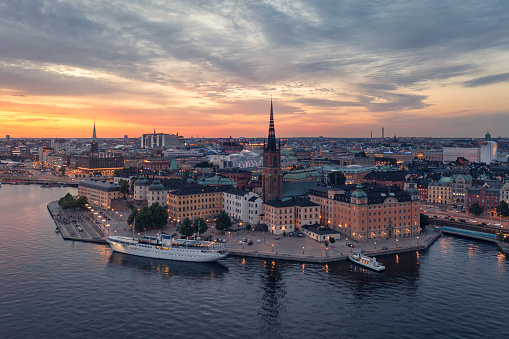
(284, 216)
(440, 192)
(194, 202)
(371, 212)
(98, 192)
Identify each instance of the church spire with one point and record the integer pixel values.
(271, 141)
(94, 136)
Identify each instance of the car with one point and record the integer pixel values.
(258, 241)
(277, 238)
(250, 242)
(241, 243)
(244, 239)
(350, 245)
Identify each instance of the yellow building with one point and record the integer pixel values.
(284, 216)
(194, 202)
(440, 193)
(99, 193)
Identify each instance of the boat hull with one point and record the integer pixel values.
(158, 252)
(378, 268)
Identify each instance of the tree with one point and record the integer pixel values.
(332, 240)
(132, 216)
(186, 175)
(159, 215)
(144, 219)
(124, 187)
(204, 164)
(336, 178)
(67, 201)
(326, 243)
(200, 226)
(82, 202)
(223, 221)
(186, 228)
(424, 220)
(503, 209)
(475, 209)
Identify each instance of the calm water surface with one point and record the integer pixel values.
(51, 288)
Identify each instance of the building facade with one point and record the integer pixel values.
(285, 216)
(371, 212)
(440, 192)
(242, 205)
(194, 202)
(98, 192)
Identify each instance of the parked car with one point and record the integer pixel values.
(249, 242)
(240, 242)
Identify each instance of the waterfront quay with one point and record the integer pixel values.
(308, 250)
(265, 245)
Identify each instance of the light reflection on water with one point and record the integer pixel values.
(56, 288)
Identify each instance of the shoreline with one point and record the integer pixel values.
(276, 248)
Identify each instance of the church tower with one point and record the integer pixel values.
(272, 180)
(94, 147)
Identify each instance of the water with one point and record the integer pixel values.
(62, 289)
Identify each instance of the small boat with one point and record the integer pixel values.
(365, 261)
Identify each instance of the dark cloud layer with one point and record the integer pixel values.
(375, 55)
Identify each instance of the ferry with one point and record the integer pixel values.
(163, 246)
(368, 262)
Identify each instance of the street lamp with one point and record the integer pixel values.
(375, 245)
(397, 243)
(272, 247)
(302, 249)
(417, 239)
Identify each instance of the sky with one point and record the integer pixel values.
(209, 68)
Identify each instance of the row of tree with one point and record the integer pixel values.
(151, 217)
(188, 228)
(68, 202)
(502, 209)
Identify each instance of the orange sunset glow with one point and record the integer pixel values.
(338, 69)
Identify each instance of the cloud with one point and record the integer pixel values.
(216, 58)
(487, 80)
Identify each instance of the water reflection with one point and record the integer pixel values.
(168, 268)
(273, 291)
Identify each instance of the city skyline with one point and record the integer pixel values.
(209, 69)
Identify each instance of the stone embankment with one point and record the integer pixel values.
(307, 250)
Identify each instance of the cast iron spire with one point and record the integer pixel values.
(94, 136)
(271, 142)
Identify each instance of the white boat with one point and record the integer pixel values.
(163, 246)
(365, 261)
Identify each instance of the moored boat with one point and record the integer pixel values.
(163, 246)
(360, 259)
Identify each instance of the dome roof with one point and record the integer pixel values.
(156, 186)
(141, 181)
(359, 193)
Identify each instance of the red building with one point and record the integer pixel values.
(272, 181)
(242, 177)
(487, 197)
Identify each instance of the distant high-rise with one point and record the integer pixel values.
(7, 137)
(383, 135)
(272, 180)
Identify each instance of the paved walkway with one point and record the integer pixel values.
(97, 229)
